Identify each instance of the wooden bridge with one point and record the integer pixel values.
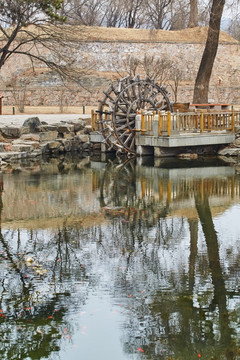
(158, 132)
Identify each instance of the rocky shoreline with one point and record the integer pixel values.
(35, 138)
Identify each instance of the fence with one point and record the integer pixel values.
(167, 123)
(170, 123)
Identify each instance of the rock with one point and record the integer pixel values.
(48, 135)
(88, 129)
(32, 123)
(2, 148)
(83, 138)
(30, 137)
(237, 129)
(78, 124)
(20, 142)
(65, 128)
(7, 147)
(67, 145)
(22, 148)
(229, 152)
(53, 145)
(46, 127)
(237, 142)
(11, 132)
(69, 135)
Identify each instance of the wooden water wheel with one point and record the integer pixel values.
(119, 107)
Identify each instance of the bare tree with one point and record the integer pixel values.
(34, 29)
(85, 12)
(193, 17)
(133, 11)
(179, 14)
(114, 12)
(201, 87)
(157, 13)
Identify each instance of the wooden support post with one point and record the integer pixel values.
(93, 123)
(142, 123)
(160, 124)
(233, 120)
(169, 123)
(201, 122)
(169, 192)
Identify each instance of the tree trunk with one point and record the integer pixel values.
(193, 18)
(201, 87)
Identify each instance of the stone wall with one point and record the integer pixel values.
(106, 60)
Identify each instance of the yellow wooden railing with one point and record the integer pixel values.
(171, 123)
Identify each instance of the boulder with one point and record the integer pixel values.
(53, 145)
(11, 132)
(88, 129)
(7, 147)
(83, 138)
(65, 128)
(22, 148)
(20, 142)
(48, 135)
(32, 123)
(68, 135)
(30, 137)
(78, 124)
(229, 152)
(46, 127)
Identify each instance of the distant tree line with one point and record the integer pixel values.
(153, 14)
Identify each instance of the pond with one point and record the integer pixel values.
(120, 260)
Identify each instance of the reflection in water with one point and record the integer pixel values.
(121, 261)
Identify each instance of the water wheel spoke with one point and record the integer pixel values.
(128, 138)
(125, 125)
(131, 147)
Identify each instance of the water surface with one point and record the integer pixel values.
(110, 260)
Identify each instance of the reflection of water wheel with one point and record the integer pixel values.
(118, 109)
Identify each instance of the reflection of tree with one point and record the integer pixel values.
(175, 324)
(33, 298)
(220, 295)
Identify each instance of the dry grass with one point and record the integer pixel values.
(191, 35)
(8, 110)
(88, 34)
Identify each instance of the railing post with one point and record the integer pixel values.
(142, 122)
(169, 123)
(201, 122)
(233, 120)
(93, 120)
(160, 123)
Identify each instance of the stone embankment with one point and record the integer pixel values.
(34, 138)
(231, 153)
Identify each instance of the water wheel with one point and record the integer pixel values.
(119, 107)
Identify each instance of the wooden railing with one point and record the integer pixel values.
(170, 123)
(166, 123)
